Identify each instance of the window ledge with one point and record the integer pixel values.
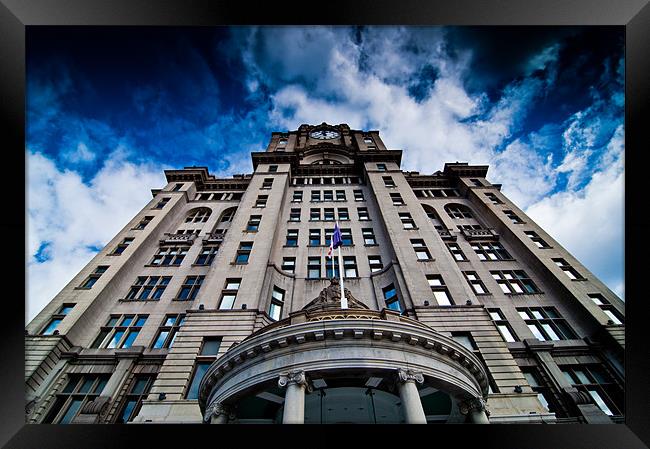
(161, 266)
(82, 288)
(579, 280)
(370, 244)
(201, 265)
(182, 300)
(426, 260)
(138, 300)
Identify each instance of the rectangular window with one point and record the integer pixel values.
(143, 223)
(407, 220)
(476, 182)
(537, 239)
(615, 317)
(273, 168)
(120, 331)
(294, 215)
(440, 292)
(80, 389)
(388, 181)
(56, 319)
(491, 251)
(161, 203)
(229, 293)
(288, 264)
(328, 236)
(297, 196)
(391, 299)
(340, 195)
(167, 331)
(328, 214)
(503, 325)
(346, 237)
(277, 302)
(465, 339)
(211, 346)
(546, 324)
(200, 368)
(332, 267)
(475, 282)
(358, 195)
(513, 217)
(363, 213)
(493, 198)
(139, 390)
(598, 384)
(261, 200)
(292, 237)
(375, 263)
(314, 214)
(148, 288)
(396, 198)
(190, 288)
(350, 267)
(177, 187)
(94, 276)
(122, 246)
(421, 251)
(455, 251)
(207, 255)
(343, 214)
(328, 195)
(315, 196)
(543, 392)
(267, 183)
(568, 269)
(170, 256)
(368, 236)
(314, 237)
(254, 223)
(243, 253)
(515, 282)
(313, 268)
(381, 167)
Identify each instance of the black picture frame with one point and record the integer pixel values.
(15, 15)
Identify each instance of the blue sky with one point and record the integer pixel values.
(109, 108)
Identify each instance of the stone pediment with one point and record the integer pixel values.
(330, 298)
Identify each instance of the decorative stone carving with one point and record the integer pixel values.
(297, 377)
(577, 397)
(217, 409)
(330, 297)
(409, 375)
(473, 405)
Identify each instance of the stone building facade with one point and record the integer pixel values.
(217, 303)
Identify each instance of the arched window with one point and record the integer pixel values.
(326, 162)
(227, 215)
(458, 211)
(433, 216)
(199, 215)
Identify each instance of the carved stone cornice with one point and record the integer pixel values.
(473, 405)
(409, 375)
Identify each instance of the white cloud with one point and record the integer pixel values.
(73, 217)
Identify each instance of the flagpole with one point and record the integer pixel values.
(344, 300)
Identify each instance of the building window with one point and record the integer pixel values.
(200, 368)
(148, 288)
(294, 215)
(328, 214)
(407, 220)
(122, 246)
(282, 142)
(343, 214)
(350, 267)
(80, 389)
(375, 263)
(543, 392)
(297, 196)
(267, 183)
(368, 236)
(340, 195)
(381, 167)
(421, 250)
(190, 288)
(439, 290)
(465, 339)
(314, 214)
(493, 198)
(120, 331)
(133, 401)
(229, 293)
(261, 201)
(476, 182)
(167, 331)
(228, 215)
(273, 168)
(568, 269)
(363, 213)
(161, 203)
(502, 324)
(346, 237)
(614, 316)
(198, 216)
(458, 211)
(391, 298)
(367, 140)
(314, 237)
(288, 265)
(143, 223)
(315, 196)
(207, 255)
(328, 236)
(328, 195)
(491, 251)
(92, 278)
(253, 223)
(396, 199)
(537, 239)
(56, 319)
(277, 301)
(177, 187)
(513, 217)
(475, 282)
(388, 181)
(292, 237)
(546, 324)
(243, 253)
(313, 268)
(515, 282)
(170, 256)
(455, 251)
(601, 388)
(332, 267)
(358, 195)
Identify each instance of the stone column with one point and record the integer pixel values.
(294, 398)
(217, 413)
(408, 393)
(476, 410)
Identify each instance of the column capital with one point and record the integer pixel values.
(473, 405)
(217, 410)
(297, 377)
(409, 375)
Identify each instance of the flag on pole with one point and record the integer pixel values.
(335, 240)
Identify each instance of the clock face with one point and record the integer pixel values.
(324, 134)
